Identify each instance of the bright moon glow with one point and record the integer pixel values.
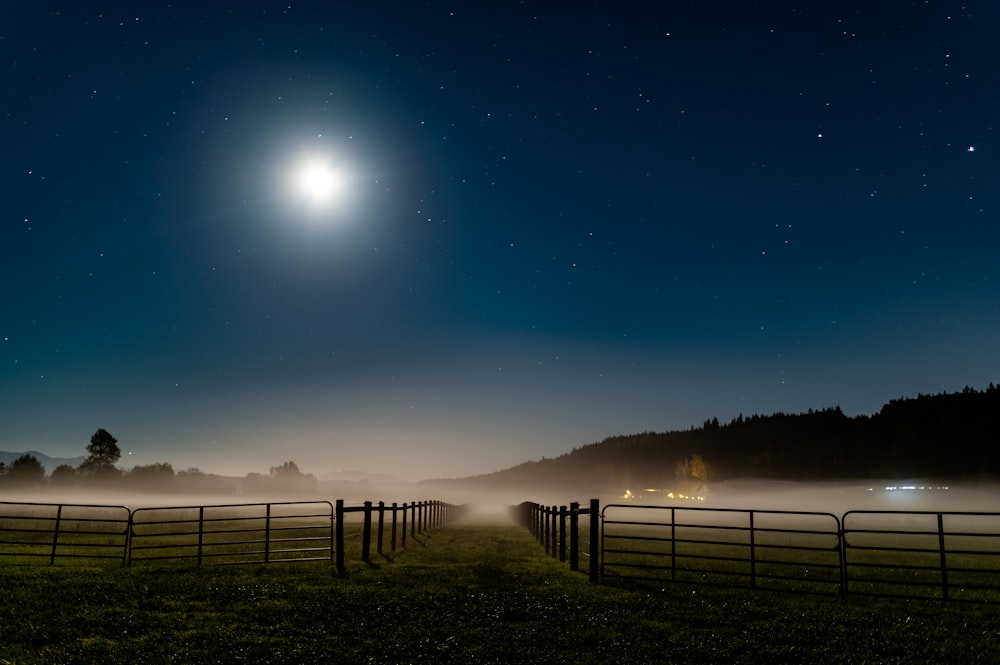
(319, 183)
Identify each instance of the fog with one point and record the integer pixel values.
(840, 497)
(957, 494)
(836, 497)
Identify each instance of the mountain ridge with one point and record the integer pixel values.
(48, 463)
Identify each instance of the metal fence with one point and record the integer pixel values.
(945, 555)
(251, 533)
(52, 533)
(773, 549)
(906, 554)
(233, 533)
(911, 554)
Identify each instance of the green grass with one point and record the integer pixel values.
(465, 593)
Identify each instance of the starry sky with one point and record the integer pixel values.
(554, 222)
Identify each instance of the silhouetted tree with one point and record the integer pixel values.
(63, 475)
(157, 477)
(255, 483)
(283, 479)
(194, 480)
(102, 453)
(286, 470)
(288, 478)
(26, 470)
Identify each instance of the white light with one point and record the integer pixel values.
(318, 183)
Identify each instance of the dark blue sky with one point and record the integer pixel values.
(561, 221)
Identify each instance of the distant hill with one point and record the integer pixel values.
(956, 434)
(48, 462)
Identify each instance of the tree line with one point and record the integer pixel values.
(99, 470)
(948, 434)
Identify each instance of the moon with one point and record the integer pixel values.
(319, 184)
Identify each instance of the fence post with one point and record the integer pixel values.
(753, 555)
(403, 530)
(333, 537)
(842, 546)
(673, 543)
(537, 522)
(944, 561)
(545, 527)
(366, 533)
(413, 519)
(201, 531)
(55, 535)
(540, 523)
(562, 533)
(393, 537)
(574, 535)
(381, 525)
(555, 531)
(267, 533)
(340, 538)
(127, 554)
(595, 531)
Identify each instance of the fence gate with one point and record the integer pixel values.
(769, 549)
(915, 554)
(50, 532)
(234, 533)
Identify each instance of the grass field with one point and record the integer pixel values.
(471, 592)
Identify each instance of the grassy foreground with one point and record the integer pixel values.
(465, 593)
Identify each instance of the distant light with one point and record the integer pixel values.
(972, 148)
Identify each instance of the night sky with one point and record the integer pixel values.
(547, 223)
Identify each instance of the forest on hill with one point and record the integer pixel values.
(943, 435)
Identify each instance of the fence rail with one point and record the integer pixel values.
(250, 533)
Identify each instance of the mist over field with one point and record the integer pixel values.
(836, 497)
(956, 494)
